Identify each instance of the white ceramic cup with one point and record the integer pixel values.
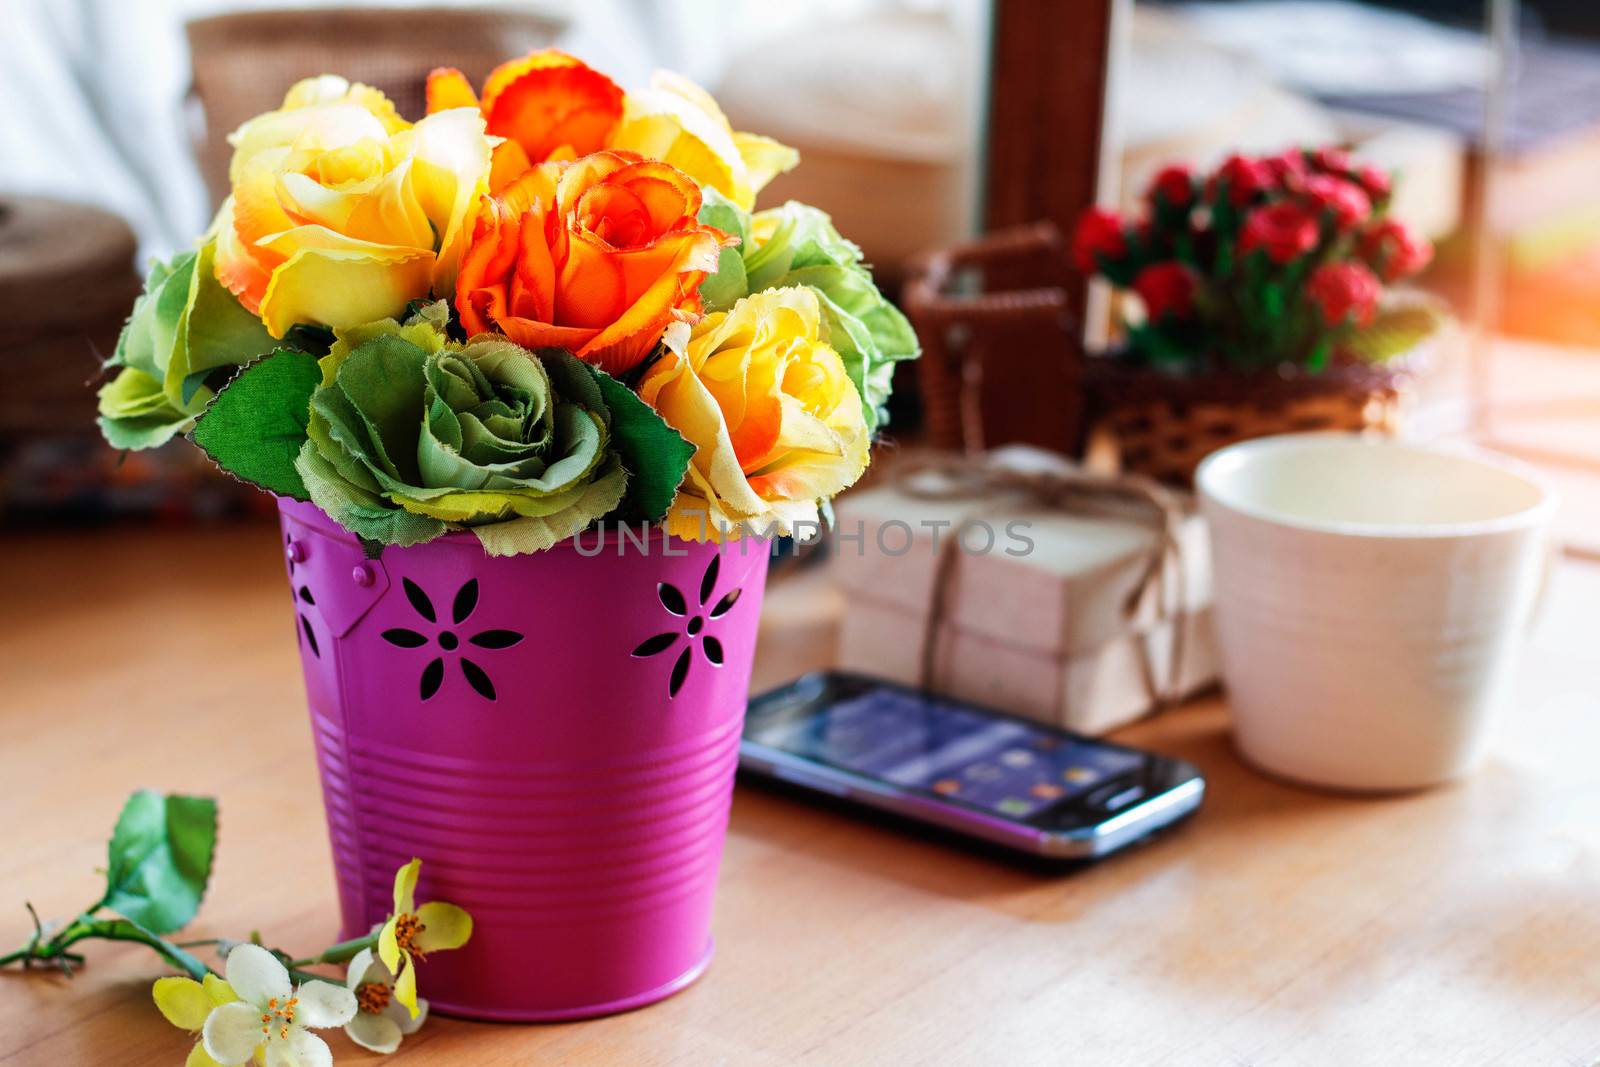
(1371, 596)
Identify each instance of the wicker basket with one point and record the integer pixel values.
(1162, 426)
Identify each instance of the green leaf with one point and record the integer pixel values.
(255, 426)
(717, 210)
(721, 290)
(653, 453)
(185, 327)
(146, 340)
(160, 859)
(1317, 360)
(139, 434)
(135, 413)
(214, 331)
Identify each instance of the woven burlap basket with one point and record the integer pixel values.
(1162, 425)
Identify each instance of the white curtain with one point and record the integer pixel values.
(93, 92)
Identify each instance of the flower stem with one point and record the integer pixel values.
(306, 976)
(340, 953)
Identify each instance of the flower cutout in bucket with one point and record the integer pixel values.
(448, 642)
(294, 551)
(673, 600)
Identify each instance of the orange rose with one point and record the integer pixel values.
(596, 256)
(547, 105)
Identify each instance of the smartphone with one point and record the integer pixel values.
(973, 770)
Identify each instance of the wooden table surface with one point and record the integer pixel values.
(1281, 926)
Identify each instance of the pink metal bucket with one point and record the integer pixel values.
(554, 735)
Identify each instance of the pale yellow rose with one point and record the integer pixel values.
(342, 212)
(776, 423)
(677, 122)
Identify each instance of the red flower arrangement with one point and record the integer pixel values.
(1262, 262)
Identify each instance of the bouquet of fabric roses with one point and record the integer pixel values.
(531, 310)
(1262, 262)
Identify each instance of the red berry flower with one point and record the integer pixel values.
(1345, 199)
(1284, 231)
(1333, 160)
(1099, 236)
(1342, 291)
(1288, 169)
(1375, 180)
(1172, 186)
(1244, 176)
(1167, 289)
(1395, 250)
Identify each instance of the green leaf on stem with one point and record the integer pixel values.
(160, 860)
(255, 427)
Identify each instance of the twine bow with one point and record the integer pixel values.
(1124, 496)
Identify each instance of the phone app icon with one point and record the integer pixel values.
(1046, 790)
(1016, 757)
(985, 772)
(1079, 775)
(947, 786)
(1014, 806)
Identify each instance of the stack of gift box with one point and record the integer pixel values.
(985, 581)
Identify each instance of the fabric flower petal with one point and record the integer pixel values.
(256, 975)
(549, 101)
(676, 121)
(405, 889)
(389, 947)
(301, 1049)
(336, 157)
(337, 288)
(379, 1033)
(199, 1057)
(233, 1031)
(219, 990)
(323, 1004)
(447, 88)
(408, 1023)
(777, 423)
(364, 967)
(444, 926)
(597, 256)
(183, 1002)
(405, 988)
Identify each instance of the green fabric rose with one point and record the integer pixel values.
(184, 328)
(411, 435)
(797, 245)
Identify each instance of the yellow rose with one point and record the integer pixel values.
(677, 122)
(342, 212)
(775, 421)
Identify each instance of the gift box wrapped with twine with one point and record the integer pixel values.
(1021, 582)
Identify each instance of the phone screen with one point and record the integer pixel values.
(1001, 765)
